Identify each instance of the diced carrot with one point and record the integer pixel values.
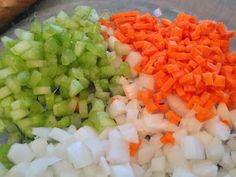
(208, 78)
(120, 36)
(219, 81)
(163, 108)
(167, 138)
(173, 117)
(204, 97)
(186, 78)
(134, 147)
(180, 91)
(152, 107)
(166, 22)
(168, 84)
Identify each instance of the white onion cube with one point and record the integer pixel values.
(122, 171)
(129, 133)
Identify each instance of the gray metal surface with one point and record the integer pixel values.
(219, 10)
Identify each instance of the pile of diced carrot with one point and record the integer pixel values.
(187, 57)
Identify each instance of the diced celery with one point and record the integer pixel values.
(96, 49)
(4, 92)
(35, 52)
(19, 104)
(104, 83)
(64, 108)
(2, 126)
(64, 122)
(45, 81)
(7, 112)
(84, 95)
(51, 46)
(35, 63)
(87, 60)
(116, 89)
(120, 49)
(101, 120)
(76, 72)
(67, 57)
(104, 96)
(92, 73)
(36, 27)
(97, 105)
(4, 148)
(124, 70)
(88, 122)
(66, 40)
(83, 108)
(14, 62)
(24, 35)
(10, 127)
(50, 30)
(41, 90)
(6, 101)
(36, 107)
(50, 121)
(71, 24)
(19, 114)
(8, 42)
(107, 71)
(50, 70)
(76, 120)
(50, 101)
(37, 120)
(82, 12)
(79, 48)
(25, 126)
(23, 77)
(21, 47)
(35, 78)
(75, 87)
(4, 73)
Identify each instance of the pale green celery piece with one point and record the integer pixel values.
(120, 48)
(4, 92)
(97, 49)
(51, 46)
(50, 70)
(124, 70)
(25, 125)
(87, 60)
(104, 83)
(43, 90)
(64, 122)
(35, 52)
(45, 81)
(83, 108)
(35, 63)
(23, 77)
(24, 35)
(19, 114)
(51, 121)
(104, 96)
(21, 47)
(79, 48)
(36, 27)
(76, 120)
(101, 120)
(4, 73)
(50, 99)
(20, 104)
(75, 87)
(67, 57)
(38, 120)
(6, 101)
(35, 78)
(116, 89)
(36, 108)
(50, 30)
(65, 107)
(107, 71)
(71, 24)
(97, 106)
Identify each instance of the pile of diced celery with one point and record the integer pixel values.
(56, 74)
